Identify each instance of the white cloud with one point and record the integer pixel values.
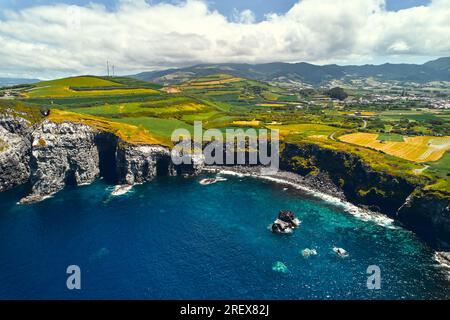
(61, 39)
(246, 16)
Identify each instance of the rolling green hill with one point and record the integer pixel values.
(82, 86)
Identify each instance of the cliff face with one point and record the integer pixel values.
(428, 216)
(138, 164)
(359, 183)
(62, 154)
(52, 156)
(14, 156)
(424, 213)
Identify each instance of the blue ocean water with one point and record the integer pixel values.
(176, 239)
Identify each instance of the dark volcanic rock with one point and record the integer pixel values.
(14, 159)
(424, 213)
(287, 216)
(360, 184)
(428, 216)
(285, 223)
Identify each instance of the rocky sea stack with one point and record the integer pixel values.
(285, 223)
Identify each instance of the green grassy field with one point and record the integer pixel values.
(412, 115)
(80, 87)
(83, 81)
(390, 137)
(161, 128)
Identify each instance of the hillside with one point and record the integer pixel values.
(82, 86)
(138, 110)
(437, 70)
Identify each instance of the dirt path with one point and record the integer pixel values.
(331, 136)
(419, 171)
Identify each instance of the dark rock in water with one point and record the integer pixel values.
(279, 226)
(287, 216)
(285, 223)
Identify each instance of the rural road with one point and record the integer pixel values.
(419, 171)
(365, 124)
(332, 136)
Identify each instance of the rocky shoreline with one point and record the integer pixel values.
(50, 156)
(326, 192)
(320, 183)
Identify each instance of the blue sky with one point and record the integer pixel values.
(226, 7)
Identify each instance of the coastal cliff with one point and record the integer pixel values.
(423, 212)
(141, 163)
(428, 215)
(15, 149)
(50, 156)
(62, 154)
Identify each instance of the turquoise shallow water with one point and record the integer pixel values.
(176, 239)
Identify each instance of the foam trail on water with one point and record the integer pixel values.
(360, 213)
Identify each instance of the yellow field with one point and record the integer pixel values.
(215, 82)
(171, 90)
(306, 129)
(82, 81)
(62, 88)
(253, 123)
(363, 113)
(417, 149)
(58, 92)
(270, 105)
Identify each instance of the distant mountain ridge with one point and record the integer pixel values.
(436, 70)
(6, 82)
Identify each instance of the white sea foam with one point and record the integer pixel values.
(360, 213)
(443, 261)
(122, 189)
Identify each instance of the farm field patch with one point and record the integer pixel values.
(64, 91)
(127, 132)
(158, 127)
(417, 149)
(305, 129)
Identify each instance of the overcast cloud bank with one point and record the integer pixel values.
(56, 40)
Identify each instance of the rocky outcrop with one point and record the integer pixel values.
(425, 213)
(359, 183)
(141, 163)
(285, 223)
(14, 158)
(62, 154)
(429, 216)
(13, 122)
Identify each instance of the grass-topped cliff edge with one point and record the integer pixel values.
(140, 112)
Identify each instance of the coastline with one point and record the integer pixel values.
(301, 183)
